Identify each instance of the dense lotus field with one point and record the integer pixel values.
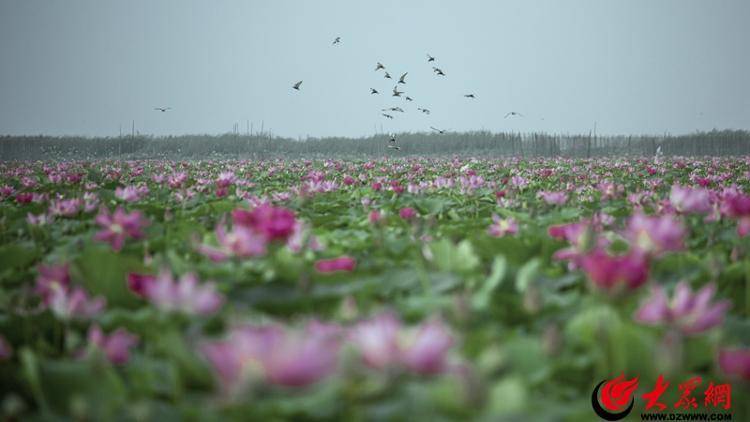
(392, 289)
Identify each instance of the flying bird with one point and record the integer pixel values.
(513, 113)
(379, 66)
(437, 130)
(396, 92)
(374, 91)
(399, 109)
(396, 147)
(296, 86)
(408, 98)
(393, 139)
(438, 71)
(423, 110)
(387, 75)
(387, 116)
(162, 109)
(337, 40)
(430, 58)
(401, 80)
(470, 96)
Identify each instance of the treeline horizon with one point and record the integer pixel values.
(477, 143)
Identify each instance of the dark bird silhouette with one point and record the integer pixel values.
(379, 66)
(430, 59)
(470, 96)
(408, 98)
(387, 75)
(337, 40)
(423, 110)
(513, 113)
(396, 92)
(437, 130)
(374, 91)
(387, 116)
(393, 139)
(402, 80)
(296, 86)
(399, 109)
(396, 147)
(162, 109)
(438, 71)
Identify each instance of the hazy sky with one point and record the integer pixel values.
(632, 66)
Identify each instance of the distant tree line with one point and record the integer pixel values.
(479, 143)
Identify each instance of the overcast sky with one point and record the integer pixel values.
(632, 66)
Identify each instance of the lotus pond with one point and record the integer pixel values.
(390, 289)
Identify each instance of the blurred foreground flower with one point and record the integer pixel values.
(384, 342)
(407, 213)
(612, 273)
(115, 346)
(64, 300)
(735, 362)
(186, 295)
(690, 312)
(118, 226)
(690, 200)
(342, 263)
(554, 198)
(656, 234)
(283, 356)
(502, 226)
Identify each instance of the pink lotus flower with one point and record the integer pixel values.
(613, 273)
(375, 217)
(138, 283)
(38, 220)
(689, 200)
(407, 213)
(275, 223)
(554, 198)
(115, 346)
(118, 226)
(74, 303)
(131, 193)
(65, 207)
(225, 179)
(53, 286)
(177, 180)
(735, 204)
(691, 313)
(186, 295)
(298, 359)
(6, 351)
(342, 263)
(735, 362)
(377, 340)
(24, 197)
(656, 234)
(426, 352)
(241, 242)
(502, 226)
(51, 278)
(283, 356)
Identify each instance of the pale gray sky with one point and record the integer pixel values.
(633, 66)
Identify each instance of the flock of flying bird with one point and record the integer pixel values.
(387, 112)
